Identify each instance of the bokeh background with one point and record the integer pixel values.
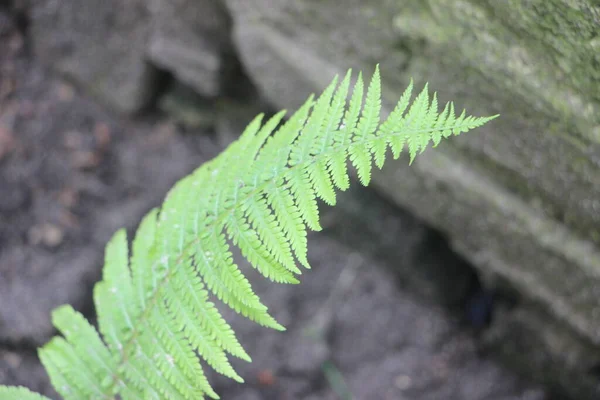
(474, 274)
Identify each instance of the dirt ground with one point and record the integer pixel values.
(384, 314)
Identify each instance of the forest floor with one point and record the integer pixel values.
(380, 315)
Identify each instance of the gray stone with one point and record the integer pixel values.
(118, 50)
(190, 39)
(519, 198)
(285, 71)
(101, 45)
(561, 361)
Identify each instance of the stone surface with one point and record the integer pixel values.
(191, 39)
(119, 51)
(101, 45)
(560, 358)
(518, 198)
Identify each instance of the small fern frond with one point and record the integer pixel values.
(19, 393)
(157, 316)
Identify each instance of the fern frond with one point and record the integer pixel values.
(156, 312)
(19, 393)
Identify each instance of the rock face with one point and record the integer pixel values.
(190, 39)
(117, 49)
(100, 45)
(518, 198)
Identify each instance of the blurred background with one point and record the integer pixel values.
(474, 274)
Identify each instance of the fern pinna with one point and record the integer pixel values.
(156, 315)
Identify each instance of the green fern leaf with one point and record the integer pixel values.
(391, 128)
(298, 182)
(290, 220)
(192, 297)
(157, 316)
(252, 249)
(19, 393)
